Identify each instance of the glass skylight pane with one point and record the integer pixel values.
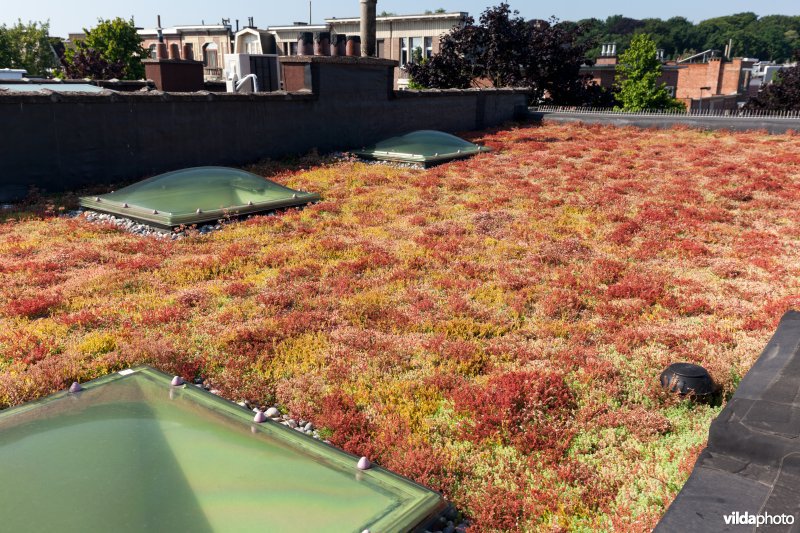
(133, 453)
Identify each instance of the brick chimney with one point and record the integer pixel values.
(368, 27)
(608, 54)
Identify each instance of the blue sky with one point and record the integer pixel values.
(73, 15)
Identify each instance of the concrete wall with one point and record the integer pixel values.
(62, 142)
(771, 125)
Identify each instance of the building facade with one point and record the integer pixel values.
(706, 81)
(405, 38)
(604, 70)
(402, 38)
(209, 44)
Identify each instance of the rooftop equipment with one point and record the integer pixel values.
(426, 147)
(246, 73)
(197, 195)
(12, 73)
(687, 378)
(138, 450)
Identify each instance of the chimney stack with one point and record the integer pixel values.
(368, 27)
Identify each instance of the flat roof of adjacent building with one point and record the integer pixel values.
(56, 87)
(423, 16)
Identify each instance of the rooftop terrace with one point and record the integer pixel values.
(493, 328)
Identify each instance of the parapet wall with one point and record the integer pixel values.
(65, 141)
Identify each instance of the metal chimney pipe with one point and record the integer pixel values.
(368, 27)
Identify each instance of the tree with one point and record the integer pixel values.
(638, 71)
(783, 94)
(27, 46)
(110, 44)
(88, 63)
(544, 56)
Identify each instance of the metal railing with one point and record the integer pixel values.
(738, 113)
(212, 72)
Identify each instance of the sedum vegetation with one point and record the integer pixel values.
(493, 328)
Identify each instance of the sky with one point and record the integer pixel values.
(74, 15)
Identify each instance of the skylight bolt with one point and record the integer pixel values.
(155, 211)
(260, 417)
(199, 211)
(125, 205)
(249, 202)
(177, 381)
(364, 464)
(96, 198)
(75, 387)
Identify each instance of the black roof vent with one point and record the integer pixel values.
(686, 378)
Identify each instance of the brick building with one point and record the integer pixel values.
(714, 76)
(209, 43)
(604, 70)
(704, 81)
(397, 36)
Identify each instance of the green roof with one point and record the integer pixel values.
(131, 452)
(197, 195)
(426, 147)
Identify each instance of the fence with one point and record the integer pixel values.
(792, 115)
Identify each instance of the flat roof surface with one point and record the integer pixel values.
(752, 461)
(55, 87)
(423, 146)
(196, 195)
(132, 453)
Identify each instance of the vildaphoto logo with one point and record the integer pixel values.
(761, 519)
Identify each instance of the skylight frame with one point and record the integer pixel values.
(374, 153)
(169, 220)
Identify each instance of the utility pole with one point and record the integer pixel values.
(309, 12)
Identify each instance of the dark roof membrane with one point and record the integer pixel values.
(196, 195)
(426, 147)
(751, 465)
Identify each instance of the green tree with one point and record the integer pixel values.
(114, 42)
(27, 46)
(638, 71)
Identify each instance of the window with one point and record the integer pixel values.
(381, 48)
(411, 49)
(416, 49)
(174, 51)
(428, 47)
(670, 90)
(153, 52)
(210, 55)
(293, 48)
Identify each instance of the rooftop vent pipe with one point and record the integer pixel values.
(368, 27)
(687, 379)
